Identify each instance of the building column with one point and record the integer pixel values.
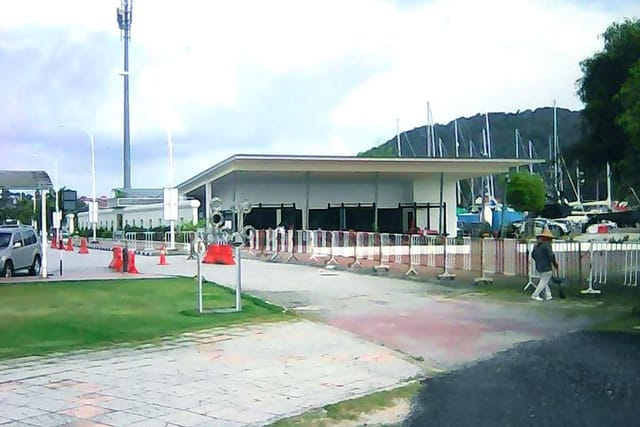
(375, 202)
(70, 223)
(208, 187)
(305, 208)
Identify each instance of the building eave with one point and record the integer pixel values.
(458, 168)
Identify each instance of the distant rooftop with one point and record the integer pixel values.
(138, 193)
(25, 180)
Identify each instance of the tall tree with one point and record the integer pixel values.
(606, 74)
(629, 120)
(526, 192)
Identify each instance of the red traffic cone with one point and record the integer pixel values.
(163, 257)
(69, 245)
(83, 247)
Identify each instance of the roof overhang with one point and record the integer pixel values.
(25, 180)
(458, 168)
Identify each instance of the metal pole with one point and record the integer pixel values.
(172, 226)
(199, 300)
(93, 186)
(58, 219)
(238, 279)
(398, 137)
(124, 23)
(33, 216)
(43, 231)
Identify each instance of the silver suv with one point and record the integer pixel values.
(19, 249)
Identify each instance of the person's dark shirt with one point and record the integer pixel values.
(543, 256)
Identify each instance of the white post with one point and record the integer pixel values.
(34, 221)
(458, 189)
(172, 225)
(58, 219)
(609, 195)
(530, 156)
(56, 224)
(43, 232)
(94, 206)
(578, 185)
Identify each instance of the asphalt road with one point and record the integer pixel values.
(578, 379)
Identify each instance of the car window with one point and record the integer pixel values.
(5, 238)
(17, 237)
(30, 238)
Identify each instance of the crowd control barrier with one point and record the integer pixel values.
(594, 262)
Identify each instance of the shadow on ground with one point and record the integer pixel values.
(578, 379)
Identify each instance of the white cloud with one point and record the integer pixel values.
(282, 76)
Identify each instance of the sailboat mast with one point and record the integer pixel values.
(473, 181)
(458, 189)
(490, 178)
(428, 147)
(398, 137)
(609, 195)
(516, 141)
(530, 156)
(578, 183)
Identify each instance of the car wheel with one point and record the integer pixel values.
(34, 270)
(8, 269)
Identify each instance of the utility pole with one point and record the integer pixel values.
(124, 23)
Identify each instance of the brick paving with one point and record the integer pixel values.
(238, 376)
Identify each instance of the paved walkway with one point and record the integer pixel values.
(256, 374)
(232, 377)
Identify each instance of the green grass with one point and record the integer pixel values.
(41, 318)
(353, 409)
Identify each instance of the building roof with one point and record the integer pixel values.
(25, 180)
(460, 168)
(138, 192)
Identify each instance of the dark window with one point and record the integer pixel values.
(30, 238)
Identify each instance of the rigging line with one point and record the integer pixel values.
(573, 187)
(409, 144)
(533, 148)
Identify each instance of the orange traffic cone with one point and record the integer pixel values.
(83, 247)
(163, 257)
(69, 245)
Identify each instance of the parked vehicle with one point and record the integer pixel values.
(532, 227)
(20, 249)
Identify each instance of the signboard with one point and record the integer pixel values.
(69, 200)
(171, 204)
(57, 218)
(93, 212)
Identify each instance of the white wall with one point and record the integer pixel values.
(133, 215)
(261, 187)
(427, 190)
(392, 191)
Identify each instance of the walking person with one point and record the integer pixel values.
(545, 260)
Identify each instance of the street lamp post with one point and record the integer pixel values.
(93, 214)
(93, 209)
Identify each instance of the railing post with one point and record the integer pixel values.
(482, 278)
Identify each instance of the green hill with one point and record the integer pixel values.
(535, 126)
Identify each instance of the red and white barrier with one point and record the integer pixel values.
(631, 264)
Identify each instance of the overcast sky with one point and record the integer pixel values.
(283, 77)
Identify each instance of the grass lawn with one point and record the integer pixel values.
(40, 318)
(359, 411)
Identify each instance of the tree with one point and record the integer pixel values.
(526, 191)
(608, 89)
(629, 98)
